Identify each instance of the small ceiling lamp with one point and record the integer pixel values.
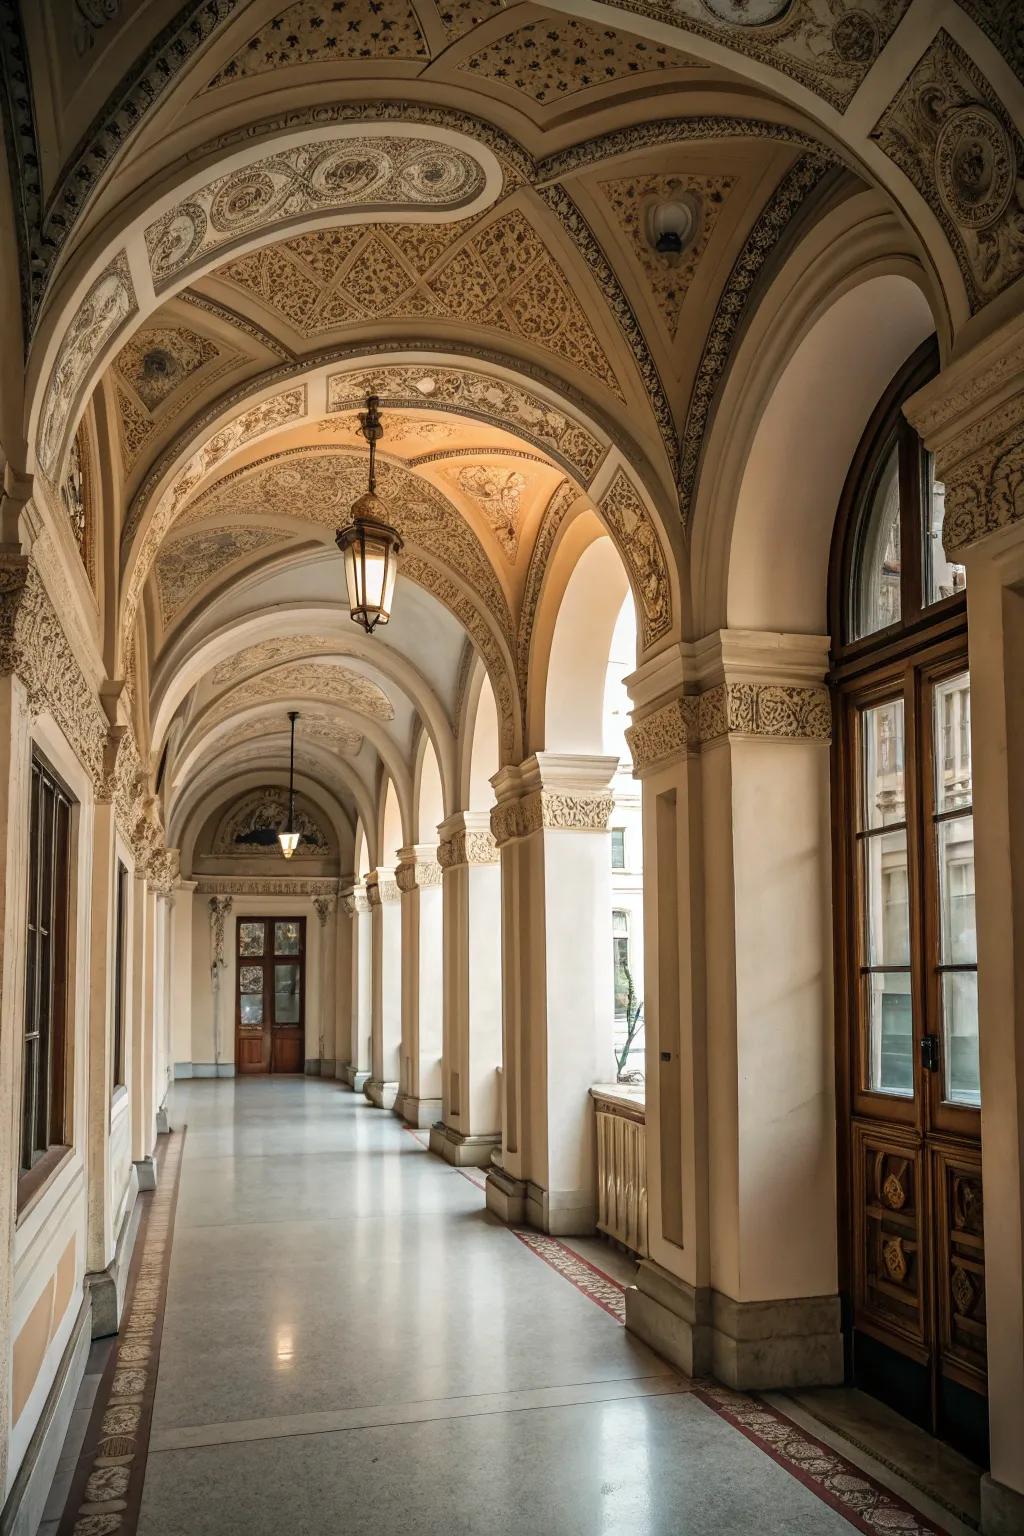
(289, 839)
(369, 544)
(672, 224)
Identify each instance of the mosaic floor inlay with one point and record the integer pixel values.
(106, 1490)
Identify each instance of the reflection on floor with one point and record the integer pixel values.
(350, 1342)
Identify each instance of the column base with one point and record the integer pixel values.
(460, 1150)
(420, 1113)
(314, 1067)
(1002, 1508)
(751, 1345)
(163, 1125)
(516, 1201)
(382, 1095)
(145, 1168)
(506, 1196)
(105, 1288)
(353, 1077)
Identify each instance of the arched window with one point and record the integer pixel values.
(906, 972)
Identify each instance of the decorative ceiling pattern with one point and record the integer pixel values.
(630, 198)
(326, 32)
(553, 59)
(353, 173)
(500, 276)
(950, 134)
(1003, 22)
(497, 489)
(461, 16)
(307, 679)
(267, 653)
(641, 551)
(159, 370)
(398, 428)
(478, 395)
(826, 45)
(187, 564)
(310, 726)
(105, 310)
(320, 486)
(265, 811)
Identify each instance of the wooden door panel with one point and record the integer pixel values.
(960, 1265)
(289, 1051)
(249, 1053)
(890, 1267)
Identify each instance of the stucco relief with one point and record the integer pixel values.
(265, 653)
(257, 885)
(629, 198)
(771, 710)
(1003, 23)
(106, 308)
(553, 59)
(664, 733)
(478, 395)
(243, 831)
(327, 32)
(398, 428)
(499, 275)
(826, 45)
(321, 487)
(467, 848)
(640, 548)
(985, 489)
(187, 564)
(950, 134)
(414, 874)
(554, 516)
(461, 16)
(555, 810)
(159, 370)
(315, 679)
(311, 726)
(318, 177)
(497, 491)
(787, 199)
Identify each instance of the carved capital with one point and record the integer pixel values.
(663, 734)
(324, 908)
(467, 847)
(764, 709)
(552, 810)
(355, 901)
(415, 873)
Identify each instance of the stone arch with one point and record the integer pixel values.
(205, 802)
(430, 804)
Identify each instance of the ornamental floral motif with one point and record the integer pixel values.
(557, 810)
(985, 489)
(664, 733)
(746, 709)
(552, 59)
(498, 491)
(327, 32)
(640, 548)
(186, 565)
(413, 874)
(950, 134)
(265, 653)
(557, 510)
(308, 679)
(467, 848)
(316, 177)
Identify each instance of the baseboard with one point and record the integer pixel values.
(420, 1113)
(355, 1077)
(213, 1069)
(23, 1508)
(564, 1213)
(182, 1069)
(460, 1150)
(314, 1067)
(145, 1169)
(506, 1196)
(106, 1287)
(380, 1094)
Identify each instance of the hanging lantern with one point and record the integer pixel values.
(289, 839)
(369, 544)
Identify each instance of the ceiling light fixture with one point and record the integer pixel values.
(289, 839)
(672, 223)
(369, 544)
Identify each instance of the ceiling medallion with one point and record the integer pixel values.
(369, 544)
(975, 166)
(747, 13)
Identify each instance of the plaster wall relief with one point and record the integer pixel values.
(327, 32)
(1003, 22)
(769, 710)
(478, 395)
(321, 487)
(401, 430)
(630, 197)
(310, 726)
(498, 491)
(826, 45)
(555, 58)
(642, 555)
(158, 372)
(800, 182)
(187, 564)
(105, 310)
(951, 136)
(499, 275)
(77, 499)
(266, 653)
(243, 831)
(254, 885)
(555, 514)
(321, 177)
(316, 680)
(461, 16)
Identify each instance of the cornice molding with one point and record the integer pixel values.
(245, 885)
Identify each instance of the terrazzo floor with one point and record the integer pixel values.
(351, 1343)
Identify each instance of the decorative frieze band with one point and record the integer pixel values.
(243, 885)
(555, 810)
(467, 848)
(771, 710)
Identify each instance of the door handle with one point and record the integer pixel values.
(930, 1052)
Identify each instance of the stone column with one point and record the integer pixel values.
(383, 895)
(165, 1059)
(181, 978)
(343, 989)
(972, 417)
(142, 1066)
(743, 1274)
(467, 1130)
(357, 1068)
(418, 877)
(326, 910)
(551, 826)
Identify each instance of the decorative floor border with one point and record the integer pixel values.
(106, 1490)
(609, 1294)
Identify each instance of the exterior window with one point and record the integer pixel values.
(942, 578)
(878, 600)
(618, 847)
(120, 945)
(620, 956)
(953, 832)
(44, 1061)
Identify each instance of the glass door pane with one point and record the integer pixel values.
(953, 829)
(287, 998)
(250, 986)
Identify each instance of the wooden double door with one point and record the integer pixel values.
(270, 1001)
(915, 1254)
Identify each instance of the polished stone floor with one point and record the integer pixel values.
(351, 1343)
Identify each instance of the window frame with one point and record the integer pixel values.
(621, 832)
(117, 1052)
(37, 1163)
